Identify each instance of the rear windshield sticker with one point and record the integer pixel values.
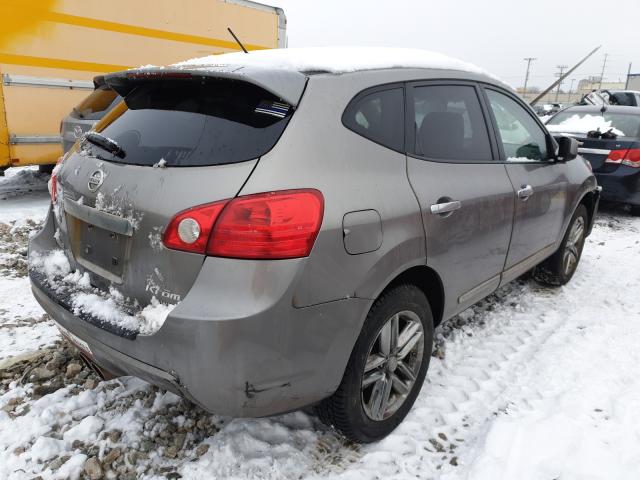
(276, 109)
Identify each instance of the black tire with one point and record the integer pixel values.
(45, 168)
(555, 271)
(345, 410)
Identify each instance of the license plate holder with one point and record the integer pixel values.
(101, 251)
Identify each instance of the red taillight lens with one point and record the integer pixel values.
(629, 157)
(632, 158)
(616, 156)
(53, 187)
(53, 181)
(273, 225)
(190, 229)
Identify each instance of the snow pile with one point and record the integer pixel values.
(19, 180)
(54, 264)
(336, 59)
(583, 124)
(109, 307)
(23, 195)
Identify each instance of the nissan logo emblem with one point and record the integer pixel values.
(95, 180)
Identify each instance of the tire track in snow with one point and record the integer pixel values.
(489, 349)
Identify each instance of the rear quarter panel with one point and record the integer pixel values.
(353, 173)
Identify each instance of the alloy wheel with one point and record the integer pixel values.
(572, 248)
(392, 365)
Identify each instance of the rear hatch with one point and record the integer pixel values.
(604, 136)
(174, 143)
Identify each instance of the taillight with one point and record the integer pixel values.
(629, 157)
(53, 181)
(274, 225)
(190, 229)
(271, 225)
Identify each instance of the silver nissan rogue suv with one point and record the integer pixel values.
(265, 232)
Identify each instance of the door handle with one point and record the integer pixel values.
(445, 207)
(525, 192)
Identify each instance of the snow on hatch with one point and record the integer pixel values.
(109, 307)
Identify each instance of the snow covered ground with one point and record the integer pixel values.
(532, 383)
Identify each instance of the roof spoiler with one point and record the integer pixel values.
(284, 84)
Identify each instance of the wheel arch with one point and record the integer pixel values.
(429, 282)
(590, 201)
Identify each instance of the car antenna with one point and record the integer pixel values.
(237, 40)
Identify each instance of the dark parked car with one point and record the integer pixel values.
(610, 138)
(84, 116)
(264, 236)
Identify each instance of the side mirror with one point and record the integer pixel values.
(567, 148)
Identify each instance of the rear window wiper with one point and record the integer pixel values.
(105, 143)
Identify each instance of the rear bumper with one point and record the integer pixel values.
(622, 185)
(235, 345)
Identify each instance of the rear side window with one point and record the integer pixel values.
(449, 124)
(378, 116)
(99, 102)
(197, 123)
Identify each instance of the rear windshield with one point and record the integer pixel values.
(197, 123)
(571, 121)
(101, 100)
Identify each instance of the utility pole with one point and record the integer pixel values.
(626, 85)
(570, 90)
(604, 64)
(526, 78)
(561, 69)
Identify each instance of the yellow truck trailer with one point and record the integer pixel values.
(50, 50)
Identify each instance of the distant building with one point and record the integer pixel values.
(633, 81)
(587, 85)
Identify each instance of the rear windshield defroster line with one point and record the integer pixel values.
(198, 122)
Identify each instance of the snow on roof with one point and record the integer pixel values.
(336, 59)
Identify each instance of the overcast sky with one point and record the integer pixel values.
(495, 34)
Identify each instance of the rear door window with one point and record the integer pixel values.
(379, 116)
(448, 124)
(522, 138)
(196, 123)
